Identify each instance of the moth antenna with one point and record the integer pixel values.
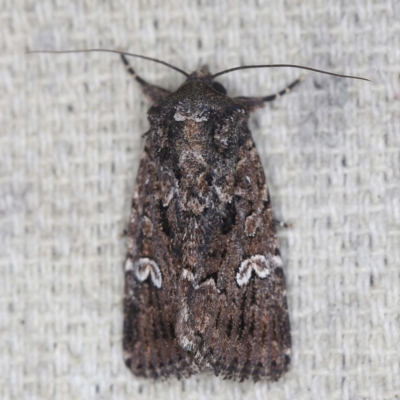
(288, 65)
(110, 51)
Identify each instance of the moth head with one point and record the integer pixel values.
(203, 74)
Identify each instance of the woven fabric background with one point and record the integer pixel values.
(70, 145)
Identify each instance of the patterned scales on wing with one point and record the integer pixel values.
(247, 335)
(205, 281)
(151, 348)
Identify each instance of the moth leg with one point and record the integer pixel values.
(152, 92)
(287, 89)
(252, 103)
(283, 224)
(123, 234)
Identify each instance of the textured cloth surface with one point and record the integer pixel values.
(70, 148)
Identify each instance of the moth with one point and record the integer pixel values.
(204, 284)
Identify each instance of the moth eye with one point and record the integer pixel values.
(219, 88)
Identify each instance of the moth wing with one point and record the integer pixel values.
(150, 345)
(236, 322)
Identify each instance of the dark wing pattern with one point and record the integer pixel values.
(204, 280)
(247, 333)
(150, 344)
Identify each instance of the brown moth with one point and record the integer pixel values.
(204, 284)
